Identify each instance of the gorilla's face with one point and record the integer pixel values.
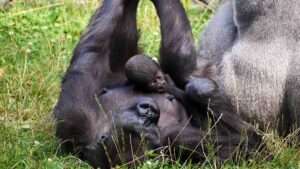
(120, 100)
(131, 119)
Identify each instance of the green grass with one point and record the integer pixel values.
(36, 42)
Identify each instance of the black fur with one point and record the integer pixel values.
(97, 108)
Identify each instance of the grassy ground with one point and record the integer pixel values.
(36, 42)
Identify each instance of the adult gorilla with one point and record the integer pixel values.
(102, 117)
(255, 45)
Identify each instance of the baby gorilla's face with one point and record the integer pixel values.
(158, 83)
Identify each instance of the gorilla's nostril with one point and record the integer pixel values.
(103, 91)
(103, 137)
(143, 108)
(147, 108)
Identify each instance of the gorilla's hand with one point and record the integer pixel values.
(200, 89)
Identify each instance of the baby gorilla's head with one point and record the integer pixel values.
(145, 73)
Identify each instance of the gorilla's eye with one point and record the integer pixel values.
(171, 98)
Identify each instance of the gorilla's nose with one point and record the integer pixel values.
(149, 110)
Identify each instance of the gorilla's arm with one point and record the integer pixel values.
(220, 33)
(178, 57)
(177, 51)
(98, 59)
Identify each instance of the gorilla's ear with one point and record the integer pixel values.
(246, 11)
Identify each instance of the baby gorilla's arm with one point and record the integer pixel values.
(172, 89)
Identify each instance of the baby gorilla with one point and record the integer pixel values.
(147, 75)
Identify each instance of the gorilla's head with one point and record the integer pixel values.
(133, 121)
